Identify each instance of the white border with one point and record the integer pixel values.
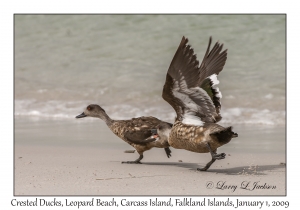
(8, 8)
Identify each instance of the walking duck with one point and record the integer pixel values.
(136, 132)
(191, 90)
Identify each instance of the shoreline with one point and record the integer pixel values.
(84, 158)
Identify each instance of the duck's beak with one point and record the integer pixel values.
(153, 131)
(81, 115)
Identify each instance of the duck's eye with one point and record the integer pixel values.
(89, 108)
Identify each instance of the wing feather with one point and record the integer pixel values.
(190, 88)
(139, 137)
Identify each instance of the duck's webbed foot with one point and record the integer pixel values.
(218, 156)
(214, 157)
(137, 161)
(168, 152)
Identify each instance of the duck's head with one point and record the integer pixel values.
(162, 130)
(92, 110)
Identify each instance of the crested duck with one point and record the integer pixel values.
(136, 132)
(191, 90)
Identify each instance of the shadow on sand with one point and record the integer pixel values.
(241, 170)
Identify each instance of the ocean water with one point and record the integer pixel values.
(65, 62)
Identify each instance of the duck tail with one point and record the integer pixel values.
(224, 136)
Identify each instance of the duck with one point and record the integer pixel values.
(136, 131)
(191, 89)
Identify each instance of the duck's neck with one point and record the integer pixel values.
(106, 118)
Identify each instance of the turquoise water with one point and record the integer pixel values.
(65, 62)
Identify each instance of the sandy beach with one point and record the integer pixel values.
(73, 157)
(65, 62)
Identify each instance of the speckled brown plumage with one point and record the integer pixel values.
(136, 132)
(195, 138)
(191, 90)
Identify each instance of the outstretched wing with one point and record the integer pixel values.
(190, 89)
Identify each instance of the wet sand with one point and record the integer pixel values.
(82, 157)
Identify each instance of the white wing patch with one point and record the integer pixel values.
(215, 82)
(191, 119)
(214, 79)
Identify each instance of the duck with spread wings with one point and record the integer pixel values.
(191, 90)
